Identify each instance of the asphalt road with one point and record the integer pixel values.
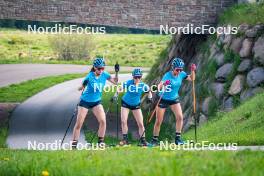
(44, 117)
(16, 73)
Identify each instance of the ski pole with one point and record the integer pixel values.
(194, 104)
(117, 68)
(156, 107)
(73, 115)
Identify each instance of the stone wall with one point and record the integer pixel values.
(230, 71)
(148, 14)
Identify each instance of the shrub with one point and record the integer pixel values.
(71, 47)
(17, 40)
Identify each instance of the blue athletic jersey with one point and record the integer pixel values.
(94, 87)
(134, 92)
(172, 90)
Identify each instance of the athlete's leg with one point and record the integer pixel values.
(139, 119)
(159, 119)
(99, 113)
(82, 112)
(124, 117)
(176, 109)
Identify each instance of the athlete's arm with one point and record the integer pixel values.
(192, 76)
(82, 87)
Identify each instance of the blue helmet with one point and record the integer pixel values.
(177, 63)
(99, 62)
(137, 72)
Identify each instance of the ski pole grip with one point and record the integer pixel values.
(117, 67)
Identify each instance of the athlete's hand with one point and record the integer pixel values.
(114, 98)
(116, 80)
(193, 67)
(167, 82)
(80, 88)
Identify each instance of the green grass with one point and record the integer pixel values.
(3, 133)
(127, 49)
(243, 13)
(91, 137)
(22, 91)
(131, 161)
(243, 125)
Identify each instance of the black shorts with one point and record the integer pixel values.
(166, 103)
(125, 105)
(89, 105)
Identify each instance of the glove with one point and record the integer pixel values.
(193, 67)
(167, 82)
(149, 100)
(114, 98)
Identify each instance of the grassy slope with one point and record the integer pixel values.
(127, 49)
(152, 161)
(243, 125)
(131, 161)
(3, 133)
(243, 13)
(22, 91)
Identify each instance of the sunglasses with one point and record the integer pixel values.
(137, 77)
(101, 68)
(178, 70)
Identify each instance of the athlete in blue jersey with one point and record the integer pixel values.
(133, 89)
(171, 83)
(92, 87)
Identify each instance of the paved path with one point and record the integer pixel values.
(16, 73)
(45, 116)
